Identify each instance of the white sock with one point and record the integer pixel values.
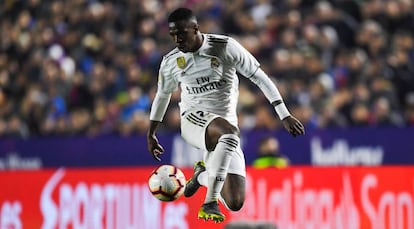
(203, 178)
(219, 162)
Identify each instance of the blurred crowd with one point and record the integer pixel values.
(89, 67)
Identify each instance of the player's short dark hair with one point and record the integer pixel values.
(181, 14)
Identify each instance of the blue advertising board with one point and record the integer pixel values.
(366, 146)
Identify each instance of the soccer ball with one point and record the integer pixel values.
(167, 183)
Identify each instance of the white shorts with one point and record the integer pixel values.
(194, 124)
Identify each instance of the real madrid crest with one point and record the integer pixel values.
(214, 62)
(181, 62)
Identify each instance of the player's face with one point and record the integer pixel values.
(184, 34)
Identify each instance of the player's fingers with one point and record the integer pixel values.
(157, 157)
(156, 154)
(300, 125)
(296, 131)
(299, 129)
(292, 132)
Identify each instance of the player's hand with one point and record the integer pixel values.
(154, 147)
(293, 126)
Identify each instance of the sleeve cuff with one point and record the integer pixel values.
(282, 111)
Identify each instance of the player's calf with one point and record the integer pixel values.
(233, 193)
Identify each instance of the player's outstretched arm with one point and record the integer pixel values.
(158, 109)
(153, 145)
(291, 124)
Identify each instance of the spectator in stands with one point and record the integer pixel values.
(60, 59)
(269, 155)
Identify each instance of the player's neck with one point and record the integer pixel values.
(199, 43)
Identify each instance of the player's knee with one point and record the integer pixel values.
(234, 200)
(235, 204)
(230, 129)
(218, 128)
(221, 126)
(233, 192)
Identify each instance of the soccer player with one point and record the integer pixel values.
(205, 66)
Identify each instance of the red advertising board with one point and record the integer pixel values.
(293, 198)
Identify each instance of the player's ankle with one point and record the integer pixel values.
(210, 200)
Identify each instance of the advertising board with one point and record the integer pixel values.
(349, 147)
(292, 198)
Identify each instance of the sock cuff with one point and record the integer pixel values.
(230, 139)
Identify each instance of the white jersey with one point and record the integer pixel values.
(207, 77)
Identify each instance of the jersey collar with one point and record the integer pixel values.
(203, 45)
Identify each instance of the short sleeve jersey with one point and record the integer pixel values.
(207, 77)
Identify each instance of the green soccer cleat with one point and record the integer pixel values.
(211, 211)
(192, 184)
